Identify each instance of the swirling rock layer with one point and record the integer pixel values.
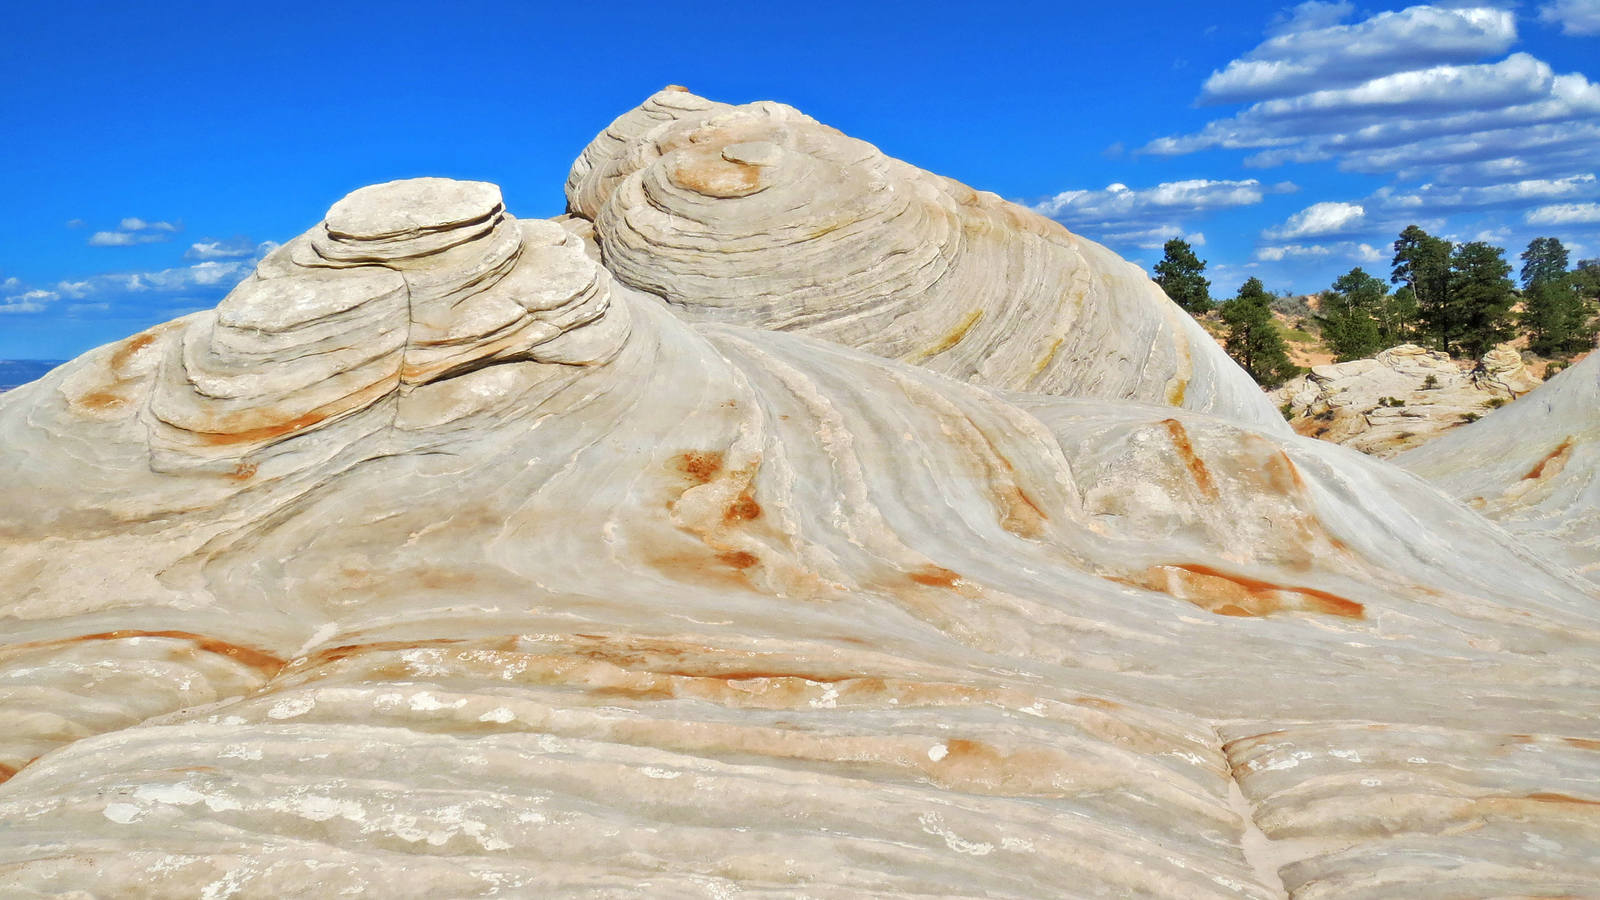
(439, 562)
(759, 215)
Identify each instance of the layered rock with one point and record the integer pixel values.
(1404, 397)
(567, 596)
(1534, 467)
(759, 215)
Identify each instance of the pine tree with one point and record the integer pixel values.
(1182, 275)
(1253, 339)
(1350, 311)
(1480, 297)
(1586, 281)
(1397, 318)
(1553, 311)
(1422, 263)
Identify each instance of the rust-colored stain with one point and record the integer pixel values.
(1550, 797)
(1282, 475)
(244, 471)
(344, 651)
(1582, 743)
(1097, 702)
(1191, 461)
(950, 338)
(1228, 594)
(739, 559)
(261, 661)
(935, 576)
(436, 580)
(717, 177)
(1559, 453)
(126, 350)
(263, 433)
(1019, 514)
(743, 509)
(7, 771)
(102, 400)
(701, 465)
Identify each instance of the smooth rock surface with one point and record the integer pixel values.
(438, 561)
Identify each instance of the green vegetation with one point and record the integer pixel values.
(1555, 311)
(1253, 339)
(1182, 275)
(1350, 315)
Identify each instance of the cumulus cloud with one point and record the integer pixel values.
(1148, 217)
(28, 301)
(131, 232)
(1431, 98)
(1320, 219)
(1564, 214)
(1442, 198)
(1313, 50)
(1576, 17)
(212, 248)
(1342, 250)
(169, 291)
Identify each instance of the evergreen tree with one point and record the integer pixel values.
(1544, 261)
(1182, 275)
(1397, 317)
(1586, 281)
(1422, 263)
(1553, 311)
(1480, 297)
(1253, 339)
(1350, 311)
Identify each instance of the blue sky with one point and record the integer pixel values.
(153, 151)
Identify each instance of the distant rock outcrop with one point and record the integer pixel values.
(442, 559)
(1402, 398)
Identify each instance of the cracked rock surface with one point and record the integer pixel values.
(616, 555)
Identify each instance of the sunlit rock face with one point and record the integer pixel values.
(759, 215)
(443, 560)
(1402, 398)
(1533, 467)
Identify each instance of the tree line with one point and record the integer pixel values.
(1458, 298)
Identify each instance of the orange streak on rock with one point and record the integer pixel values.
(1559, 453)
(1228, 594)
(1191, 461)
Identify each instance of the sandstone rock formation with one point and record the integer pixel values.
(443, 560)
(1402, 398)
(1532, 468)
(760, 215)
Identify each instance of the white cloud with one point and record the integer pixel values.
(76, 290)
(1437, 199)
(133, 231)
(1564, 214)
(1320, 219)
(1343, 250)
(1576, 17)
(1148, 217)
(137, 224)
(28, 301)
(197, 286)
(1312, 50)
(212, 248)
(1190, 196)
(1425, 98)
